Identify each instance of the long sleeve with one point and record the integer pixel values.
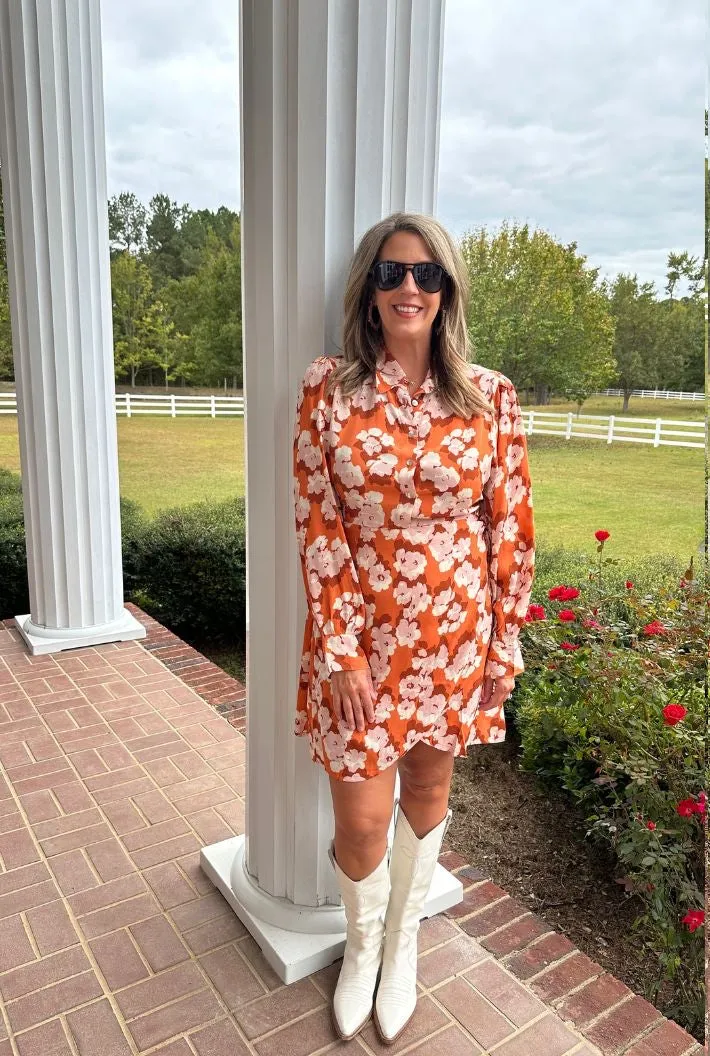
(508, 507)
(329, 574)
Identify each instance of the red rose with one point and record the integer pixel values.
(567, 616)
(686, 808)
(591, 623)
(569, 646)
(654, 627)
(569, 594)
(601, 535)
(673, 713)
(694, 918)
(555, 592)
(535, 612)
(650, 825)
(629, 584)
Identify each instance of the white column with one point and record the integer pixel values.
(52, 153)
(340, 111)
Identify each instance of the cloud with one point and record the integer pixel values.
(583, 118)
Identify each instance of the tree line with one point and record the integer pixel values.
(538, 311)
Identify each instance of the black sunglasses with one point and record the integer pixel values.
(389, 274)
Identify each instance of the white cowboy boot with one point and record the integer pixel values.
(365, 903)
(412, 864)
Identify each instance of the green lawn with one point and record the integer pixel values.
(651, 500)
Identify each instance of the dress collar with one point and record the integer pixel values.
(390, 374)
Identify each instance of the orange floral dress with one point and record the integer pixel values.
(416, 539)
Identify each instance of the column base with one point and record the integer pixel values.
(306, 938)
(42, 640)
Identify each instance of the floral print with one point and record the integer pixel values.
(416, 539)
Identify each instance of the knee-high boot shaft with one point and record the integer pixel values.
(412, 865)
(365, 903)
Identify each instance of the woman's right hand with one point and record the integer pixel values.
(354, 696)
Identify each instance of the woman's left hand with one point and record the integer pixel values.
(495, 692)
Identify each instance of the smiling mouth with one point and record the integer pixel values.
(407, 311)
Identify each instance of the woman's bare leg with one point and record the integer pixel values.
(363, 812)
(425, 782)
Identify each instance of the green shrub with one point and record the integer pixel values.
(193, 571)
(611, 708)
(14, 594)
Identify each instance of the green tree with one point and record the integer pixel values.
(537, 312)
(635, 338)
(126, 223)
(133, 322)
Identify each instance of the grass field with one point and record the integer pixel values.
(651, 500)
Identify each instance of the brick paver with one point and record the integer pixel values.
(114, 771)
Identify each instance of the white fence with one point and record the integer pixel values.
(661, 432)
(131, 405)
(656, 394)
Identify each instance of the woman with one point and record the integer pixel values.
(414, 520)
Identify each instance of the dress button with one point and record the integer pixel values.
(410, 461)
(415, 403)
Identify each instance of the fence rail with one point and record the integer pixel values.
(656, 394)
(131, 405)
(660, 432)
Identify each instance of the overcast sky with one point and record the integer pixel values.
(583, 117)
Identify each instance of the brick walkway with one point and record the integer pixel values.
(114, 773)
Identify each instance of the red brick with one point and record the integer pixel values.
(164, 772)
(155, 834)
(160, 989)
(596, 997)
(59, 826)
(48, 1039)
(118, 959)
(159, 943)
(210, 826)
(122, 791)
(121, 783)
(36, 1007)
(40, 806)
(231, 977)
(17, 848)
(52, 928)
(184, 1015)
(215, 933)
(489, 920)
(73, 797)
(165, 852)
(169, 885)
(116, 756)
(476, 898)
(200, 911)
(115, 891)
(73, 873)
(26, 898)
(540, 955)
(109, 859)
(667, 1039)
(221, 1039)
(123, 816)
(97, 1032)
(448, 960)
(15, 947)
(89, 763)
(623, 1024)
(516, 936)
(70, 841)
(41, 973)
(53, 780)
(474, 1013)
(119, 916)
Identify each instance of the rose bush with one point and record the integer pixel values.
(611, 707)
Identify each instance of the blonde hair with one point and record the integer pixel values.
(450, 344)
